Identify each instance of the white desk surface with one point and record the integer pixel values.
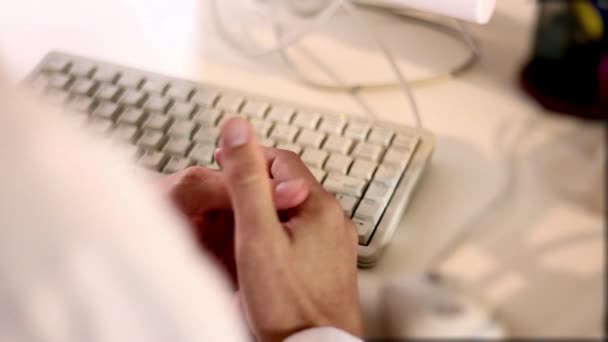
(539, 258)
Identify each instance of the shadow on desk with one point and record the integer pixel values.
(535, 259)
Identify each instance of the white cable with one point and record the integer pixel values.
(508, 158)
(323, 17)
(407, 91)
(354, 93)
(459, 31)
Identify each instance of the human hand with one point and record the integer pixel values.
(295, 271)
(201, 195)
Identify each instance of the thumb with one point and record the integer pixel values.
(248, 182)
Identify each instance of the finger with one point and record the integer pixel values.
(283, 165)
(290, 194)
(248, 183)
(196, 189)
(291, 177)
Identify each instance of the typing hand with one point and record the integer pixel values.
(201, 195)
(296, 269)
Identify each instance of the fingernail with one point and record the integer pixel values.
(289, 186)
(235, 133)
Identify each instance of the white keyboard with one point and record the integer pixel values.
(172, 124)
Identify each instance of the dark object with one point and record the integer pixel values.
(568, 71)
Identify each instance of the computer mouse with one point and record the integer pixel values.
(432, 306)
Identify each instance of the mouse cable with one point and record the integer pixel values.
(324, 16)
(508, 156)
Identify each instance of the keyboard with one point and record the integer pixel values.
(171, 124)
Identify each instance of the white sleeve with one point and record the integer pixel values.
(322, 334)
(89, 251)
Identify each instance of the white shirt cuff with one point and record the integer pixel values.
(322, 334)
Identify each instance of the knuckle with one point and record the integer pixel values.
(245, 177)
(193, 174)
(289, 157)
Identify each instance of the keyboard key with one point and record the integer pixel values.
(59, 81)
(84, 87)
(176, 164)
(281, 114)
(207, 116)
(225, 117)
(314, 158)
(213, 166)
(230, 103)
(182, 128)
(405, 140)
(79, 118)
(255, 109)
(133, 116)
(388, 174)
(261, 127)
(370, 210)
(397, 156)
(381, 136)
(364, 230)
(154, 86)
(297, 149)
(180, 92)
(357, 130)
(362, 169)
(202, 153)
(105, 75)
(267, 142)
(182, 109)
(57, 64)
(332, 125)
(307, 120)
(150, 139)
(338, 163)
(153, 160)
(129, 80)
(125, 132)
(130, 150)
(368, 151)
(157, 103)
(81, 103)
(379, 192)
(348, 203)
(284, 133)
(177, 146)
(337, 144)
(82, 69)
(107, 110)
(318, 174)
(100, 125)
(207, 135)
(347, 185)
(133, 98)
(205, 98)
(108, 92)
(310, 138)
(157, 122)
